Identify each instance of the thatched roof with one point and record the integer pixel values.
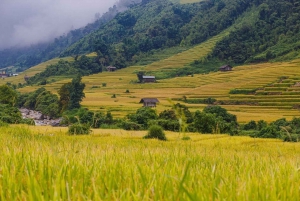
(149, 100)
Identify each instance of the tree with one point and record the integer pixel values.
(64, 93)
(8, 95)
(140, 75)
(71, 94)
(76, 92)
(220, 112)
(142, 116)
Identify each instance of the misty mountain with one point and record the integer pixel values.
(27, 56)
(260, 31)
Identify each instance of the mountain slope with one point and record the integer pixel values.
(273, 34)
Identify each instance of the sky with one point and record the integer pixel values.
(27, 22)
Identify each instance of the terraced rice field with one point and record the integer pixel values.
(43, 163)
(274, 97)
(32, 71)
(216, 85)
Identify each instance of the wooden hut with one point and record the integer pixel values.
(111, 68)
(149, 102)
(225, 68)
(147, 79)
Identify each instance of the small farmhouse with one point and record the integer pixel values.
(147, 79)
(225, 68)
(111, 68)
(149, 102)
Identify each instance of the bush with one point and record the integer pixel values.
(3, 124)
(291, 138)
(127, 125)
(156, 132)
(79, 129)
(27, 121)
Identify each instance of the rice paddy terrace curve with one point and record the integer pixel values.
(273, 98)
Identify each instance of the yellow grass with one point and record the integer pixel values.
(43, 163)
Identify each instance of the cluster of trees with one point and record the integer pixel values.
(213, 119)
(281, 128)
(70, 96)
(9, 113)
(272, 33)
(131, 33)
(82, 65)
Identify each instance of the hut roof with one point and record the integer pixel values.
(111, 67)
(148, 77)
(149, 100)
(225, 66)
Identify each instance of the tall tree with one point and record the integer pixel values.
(71, 94)
(8, 95)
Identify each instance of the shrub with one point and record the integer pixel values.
(291, 138)
(127, 125)
(79, 129)
(156, 132)
(104, 84)
(127, 91)
(3, 124)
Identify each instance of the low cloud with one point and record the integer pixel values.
(24, 23)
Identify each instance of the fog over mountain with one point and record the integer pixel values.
(24, 23)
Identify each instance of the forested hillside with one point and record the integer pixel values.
(160, 24)
(261, 30)
(273, 33)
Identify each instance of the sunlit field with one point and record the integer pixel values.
(274, 96)
(215, 84)
(43, 163)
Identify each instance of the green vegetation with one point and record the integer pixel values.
(79, 129)
(271, 35)
(8, 95)
(155, 132)
(283, 129)
(83, 66)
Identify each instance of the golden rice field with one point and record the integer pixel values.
(214, 84)
(273, 100)
(43, 163)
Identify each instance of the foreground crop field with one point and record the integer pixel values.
(42, 163)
